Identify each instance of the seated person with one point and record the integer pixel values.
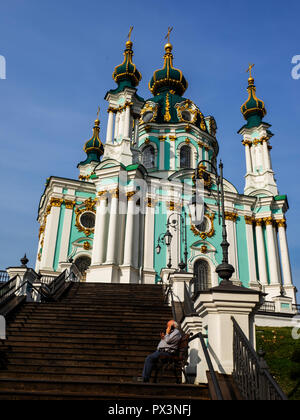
(167, 347)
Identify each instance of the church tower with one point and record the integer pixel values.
(256, 139)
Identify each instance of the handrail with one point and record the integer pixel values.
(4, 276)
(212, 372)
(188, 310)
(251, 373)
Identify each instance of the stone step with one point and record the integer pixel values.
(59, 389)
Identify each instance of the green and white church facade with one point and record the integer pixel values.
(110, 221)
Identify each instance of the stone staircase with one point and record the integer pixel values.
(89, 345)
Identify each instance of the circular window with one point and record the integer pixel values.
(147, 117)
(83, 263)
(88, 219)
(204, 226)
(186, 115)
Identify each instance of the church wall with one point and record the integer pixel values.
(59, 236)
(242, 252)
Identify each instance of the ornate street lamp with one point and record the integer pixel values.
(224, 270)
(166, 238)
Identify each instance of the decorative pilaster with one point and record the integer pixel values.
(231, 218)
(129, 232)
(110, 126)
(112, 245)
(149, 273)
(51, 235)
(272, 254)
(99, 244)
(251, 252)
(64, 247)
(284, 251)
(261, 253)
(162, 153)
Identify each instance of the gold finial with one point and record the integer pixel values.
(97, 121)
(249, 70)
(130, 32)
(170, 29)
(168, 46)
(129, 42)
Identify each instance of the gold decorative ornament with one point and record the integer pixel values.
(269, 221)
(88, 206)
(209, 233)
(232, 216)
(150, 107)
(258, 222)
(203, 174)
(70, 204)
(56, 202)
(87, 245)
(167, 116)
(204, 249)
(162, 138)
(249, 220)
(281, 223)
(130, 195)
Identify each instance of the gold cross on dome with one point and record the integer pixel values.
(170, 29)
(249, 69)
(98, 113)
(130, 32)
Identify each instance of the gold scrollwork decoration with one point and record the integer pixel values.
(210, 231)
(88, 206)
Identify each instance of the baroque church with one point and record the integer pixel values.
(127, 218)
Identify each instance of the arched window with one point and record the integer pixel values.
(148, 157)
(202, 276)
(185, 157)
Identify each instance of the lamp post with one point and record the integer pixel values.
(224, 270)
(166, 239)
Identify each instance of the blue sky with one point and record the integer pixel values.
(60, 57)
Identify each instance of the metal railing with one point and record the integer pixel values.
(267, 307)
(251, 373)
(38, 292)
(188, 310)
(4, 277)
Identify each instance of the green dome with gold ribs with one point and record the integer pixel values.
(253, 109)
(168, 78)
(93, 147)
(126, 74)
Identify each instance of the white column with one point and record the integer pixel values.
(121, 124)
(267, 161)
(272, 254)
(162, 154)
(175, 244)
(65, 237)
(172, 153)
(112, 244)
(251, 252)
(284, 251)
(129, 232)
(127, 122)
(110, 127)
(232, 251)
(149, 237)
(261, 254)
(136, 242)
(117, 125)
(248, 157)
(99, 244)
(50, 237)
(136, 131)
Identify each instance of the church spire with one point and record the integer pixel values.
(168, 78)
(94, 147)
(126, 74)
(253, 109)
